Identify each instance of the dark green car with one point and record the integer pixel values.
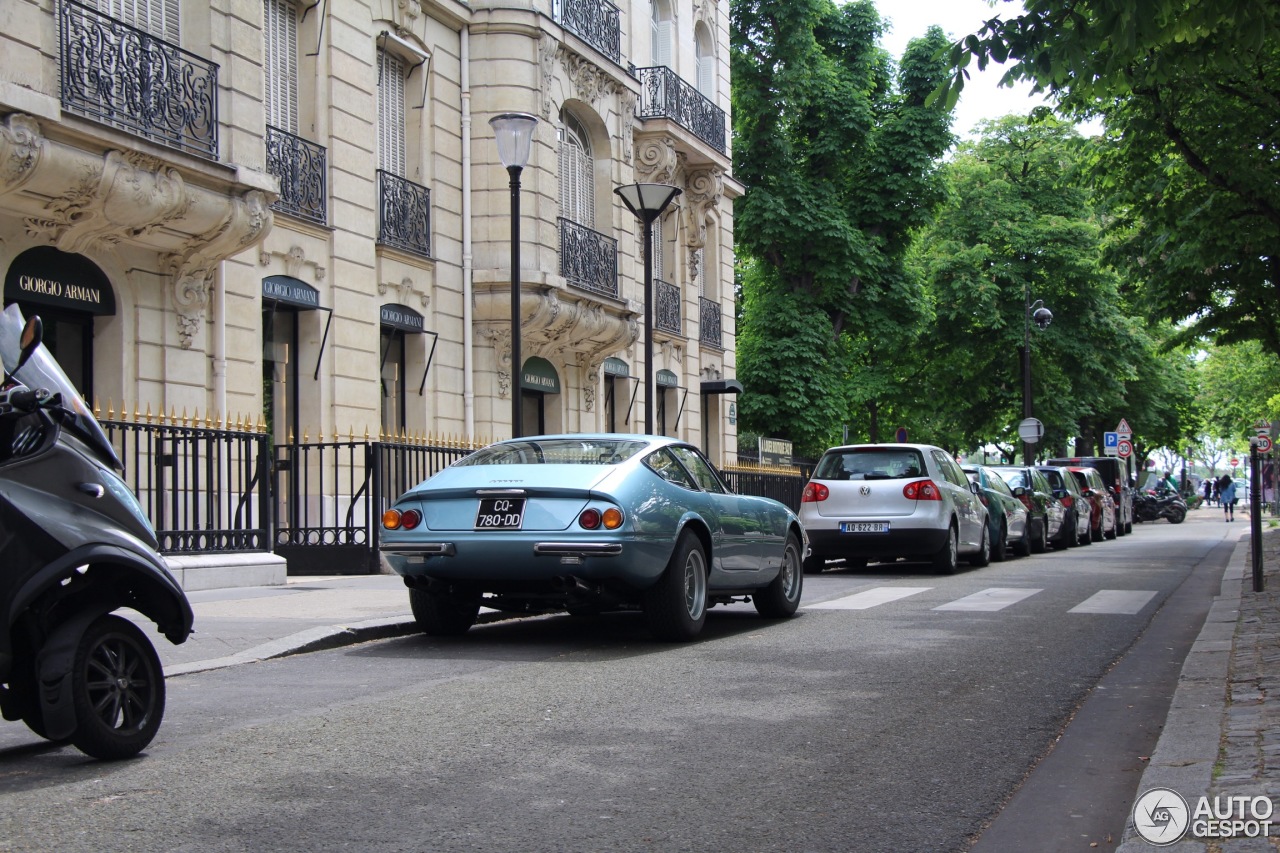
(1006, 515)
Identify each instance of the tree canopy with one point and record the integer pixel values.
(838, 151)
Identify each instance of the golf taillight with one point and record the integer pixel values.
(594, 519)
(814, 492)
(394, 519)
(922, 490)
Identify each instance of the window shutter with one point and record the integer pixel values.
(659, 250)
(577, 176)
(157, 17)
(662, 44)
(281, 64)
(391, 142)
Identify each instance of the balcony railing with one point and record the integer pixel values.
(597, 22)
(404, 214)
(666, 307)
(588, 259)
(664, 95)
(300, 166)
(128, 78)
(709, 322)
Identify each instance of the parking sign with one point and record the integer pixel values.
(1110, 443)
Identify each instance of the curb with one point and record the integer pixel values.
(321, 639)
(1189, 744)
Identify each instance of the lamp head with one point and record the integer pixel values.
(1042, 317)
(514, 135)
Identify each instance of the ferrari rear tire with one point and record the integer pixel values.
(446, 613)
(781, 597)
(676, 606)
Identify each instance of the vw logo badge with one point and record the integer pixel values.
(866, 490)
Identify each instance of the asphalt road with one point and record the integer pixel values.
(878, 722)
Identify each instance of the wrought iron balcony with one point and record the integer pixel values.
(128, 78)
(709, 322)
(664, 95)
(588, 259)
(404, 214)
(300, 166)
(597, 22)
(666, 307)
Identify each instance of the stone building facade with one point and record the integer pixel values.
(293, 211)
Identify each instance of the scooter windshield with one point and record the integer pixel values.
(43, 372)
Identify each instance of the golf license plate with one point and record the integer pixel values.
(864, 527)
(500, 514)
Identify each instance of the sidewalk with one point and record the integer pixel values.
(1222, 735)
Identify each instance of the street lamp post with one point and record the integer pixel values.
(646, 202)
(514, 135)
(1035, 312)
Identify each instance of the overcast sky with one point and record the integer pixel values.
(981, 98)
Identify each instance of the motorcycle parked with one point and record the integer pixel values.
(1153, 506)
(75, 546)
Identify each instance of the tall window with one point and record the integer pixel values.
(577, 173)
(662, 32)
(393, 384)
(391, 114)
(705, 59)
(158, 17)
(659, 250)
(280, 26)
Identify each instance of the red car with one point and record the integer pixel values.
(1104, 505)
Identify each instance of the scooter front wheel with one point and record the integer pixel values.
(117, 689)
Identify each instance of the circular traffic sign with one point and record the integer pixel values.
(1030, 430)
(1235, 463)
(1124, 448)
(1264, 444)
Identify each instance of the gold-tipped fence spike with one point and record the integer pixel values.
(97, 412)
(111, 415)
(185, 419)
(173, 415)
(148, 413)
(366, 433)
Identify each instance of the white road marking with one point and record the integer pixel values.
(989, 600)
(1119, 601)
(868, 598)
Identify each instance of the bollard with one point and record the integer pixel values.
(1255, 516)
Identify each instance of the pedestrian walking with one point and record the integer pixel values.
(1227, 495)
(1208, 491)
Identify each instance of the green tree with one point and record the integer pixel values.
(1019, 226)
(1190, 91)
(838, 152)
(1237, 385)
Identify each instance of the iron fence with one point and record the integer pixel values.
(205, 489)
(404, 214)
(597, 22)
(128, 78)
(300, 166)
(588, 259)
(664, 95)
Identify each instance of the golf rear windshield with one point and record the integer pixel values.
(557, 451)
(870, 463)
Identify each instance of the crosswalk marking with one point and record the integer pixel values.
(1123, 601)
(990, 600)
(869, 598)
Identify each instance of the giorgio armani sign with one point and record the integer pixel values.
(49, 276)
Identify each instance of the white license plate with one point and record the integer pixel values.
(864, 527)
(500, 514)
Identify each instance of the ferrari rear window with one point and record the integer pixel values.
(559, 451)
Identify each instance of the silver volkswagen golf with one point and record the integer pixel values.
(889, 501)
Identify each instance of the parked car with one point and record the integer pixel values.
(890, 501)
(1079, 516)
(588, 523)
(1104, 505)
(1045, 514)
(1115, 474)
(1006, 515)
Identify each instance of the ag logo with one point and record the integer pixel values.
(1161, 817)
(866, 490)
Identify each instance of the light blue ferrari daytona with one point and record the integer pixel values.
(588, 523)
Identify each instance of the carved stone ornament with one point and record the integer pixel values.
(404, 292)
(410, 9)
(703, 190)
(192, 268)
(501, 340)
(547, 48)
(588, 79)
(704, 11)
(294, 261)
(589, 370)
(628, 102)
(657, 160)
(20, 147)
(123, 196)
